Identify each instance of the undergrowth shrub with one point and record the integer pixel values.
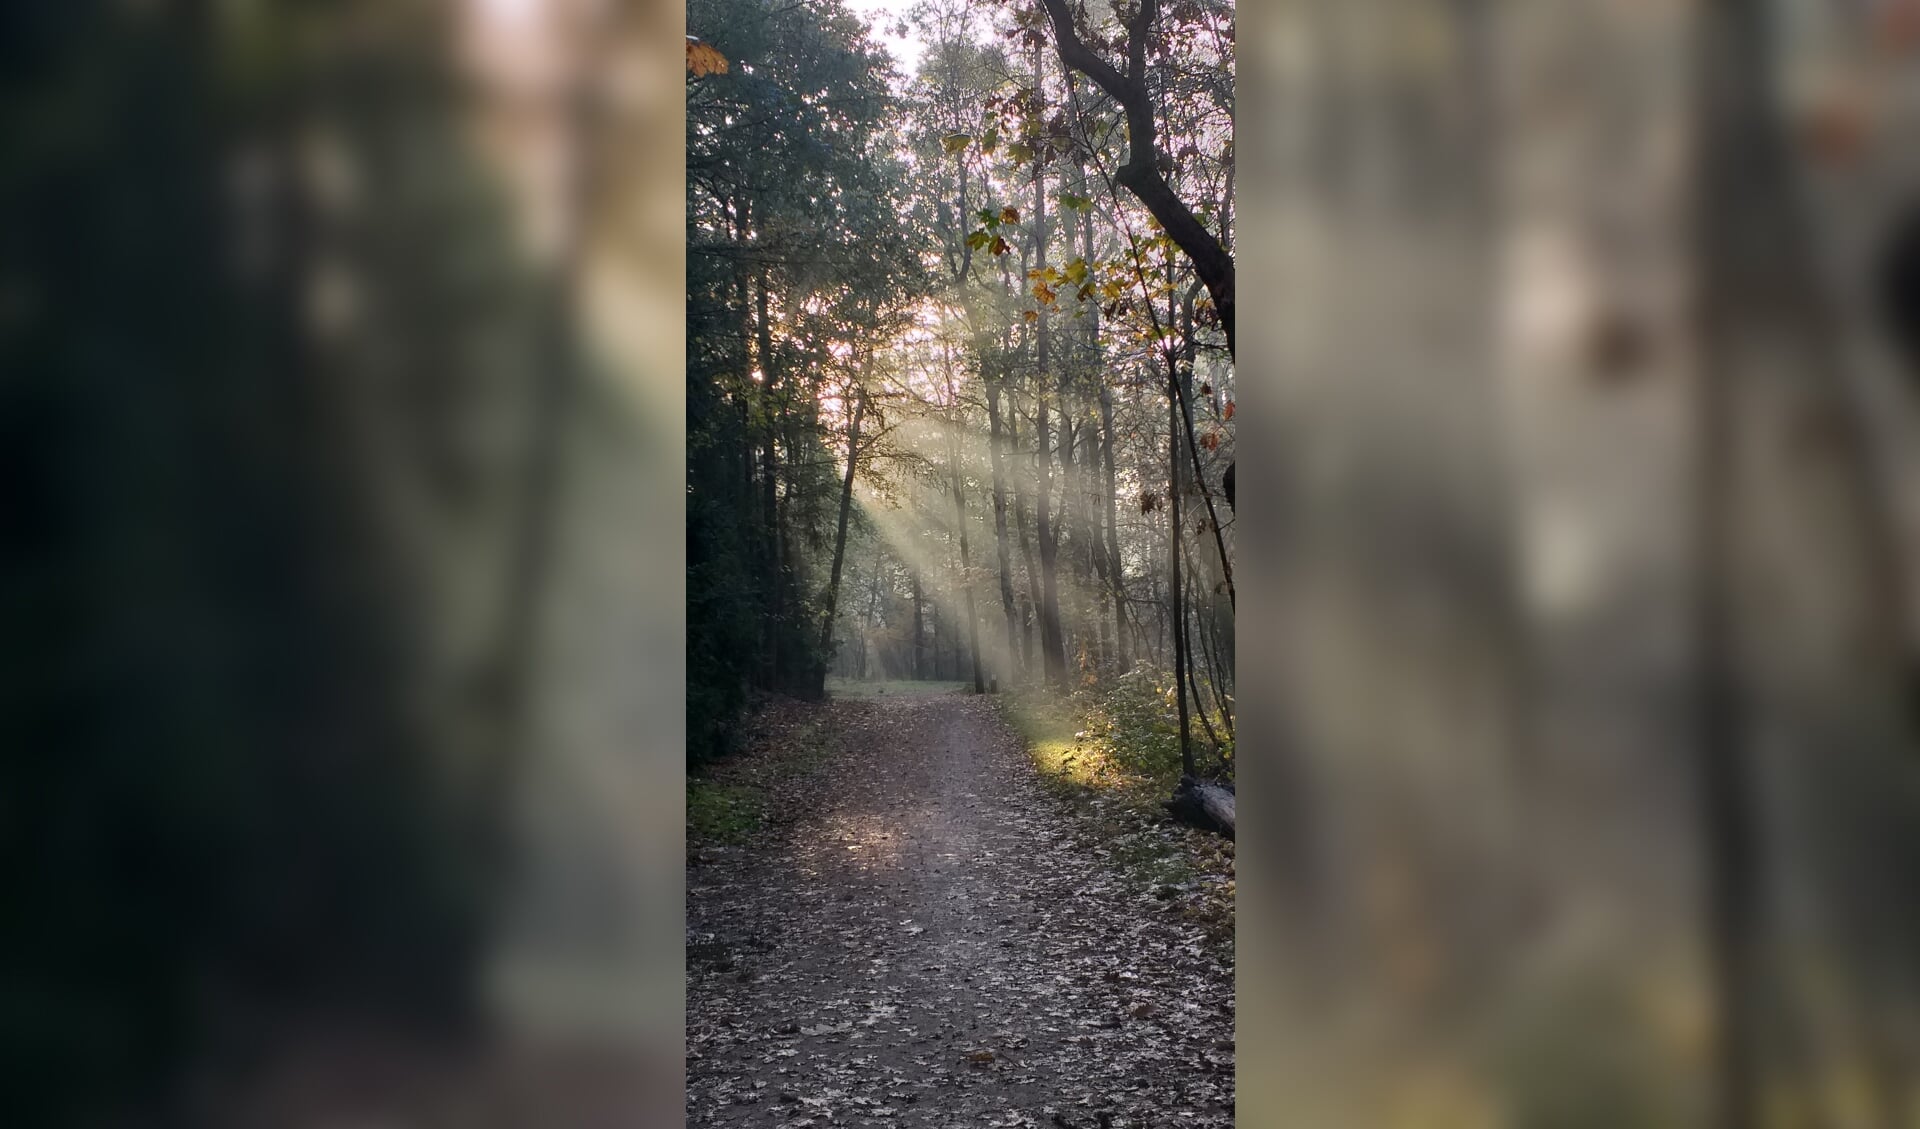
(1138, 716)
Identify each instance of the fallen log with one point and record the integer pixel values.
(1204, 804)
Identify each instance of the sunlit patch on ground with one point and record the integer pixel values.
(1115, 792)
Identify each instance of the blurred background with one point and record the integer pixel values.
(340, 417)
(338, 422)
(1578, 746)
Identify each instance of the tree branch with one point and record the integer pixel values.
(1141, 174)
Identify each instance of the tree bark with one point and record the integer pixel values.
(839, 546)
(1002, 549)
(1114, 575)
(960, 527)
(1175, 595)
(1052, 642)
(919, 629)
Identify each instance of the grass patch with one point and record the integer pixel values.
(721, 812)
(727, 800)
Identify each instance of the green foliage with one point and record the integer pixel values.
(1139, 720)
(796, 256)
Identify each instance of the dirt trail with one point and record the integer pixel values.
(928, 942)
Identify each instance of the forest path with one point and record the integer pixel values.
(929, 942)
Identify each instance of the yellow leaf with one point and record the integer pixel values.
(955, 142)
(1009, 214)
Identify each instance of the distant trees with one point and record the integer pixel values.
(1068, 373)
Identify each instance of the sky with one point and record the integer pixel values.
(880, 15)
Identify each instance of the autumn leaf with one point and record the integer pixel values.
(703, 59)
(1228, 414)
(1009, 214)
(1211, 440)
(998, 246)
(955, 142)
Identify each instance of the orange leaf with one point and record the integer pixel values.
(1228, 414)
(704, 59)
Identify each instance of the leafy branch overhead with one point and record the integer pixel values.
(1144, 172)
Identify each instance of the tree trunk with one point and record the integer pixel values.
(1798, 637)
(1031, 606)
(1114, 575)
(958, 469)
(839, 546)
(1052, 642)
(1175, 595)
(1002, 549)
(775, 570)
(873, 604)
(919, 629)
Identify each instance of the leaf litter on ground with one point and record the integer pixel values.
(920, 931)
